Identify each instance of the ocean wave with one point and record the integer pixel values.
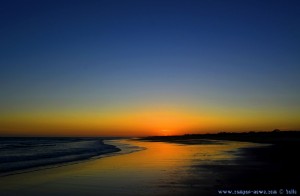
(25, 153)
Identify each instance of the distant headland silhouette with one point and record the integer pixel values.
(275, 136)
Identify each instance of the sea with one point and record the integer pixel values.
(18, 154)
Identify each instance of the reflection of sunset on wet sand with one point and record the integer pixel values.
(161, 169)
(189, 80)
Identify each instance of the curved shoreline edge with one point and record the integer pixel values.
(14, 167)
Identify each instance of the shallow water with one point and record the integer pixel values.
(161, 169)
(18, 154)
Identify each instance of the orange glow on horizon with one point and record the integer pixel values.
(136, 122)
(123, 123)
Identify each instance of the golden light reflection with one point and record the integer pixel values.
(160, 164)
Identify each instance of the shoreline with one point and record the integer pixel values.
(55, 162)
(162, 169)
(186, 167)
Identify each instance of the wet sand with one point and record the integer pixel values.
(270, 167)
(162, 169)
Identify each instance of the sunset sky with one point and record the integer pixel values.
(146, 67)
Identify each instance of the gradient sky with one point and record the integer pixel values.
(148, 67)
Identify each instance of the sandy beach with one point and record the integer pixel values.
(149, 97)
(162, 168)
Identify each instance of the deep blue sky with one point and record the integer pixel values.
(210, 56)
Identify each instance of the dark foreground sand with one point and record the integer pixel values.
(272, 167)
(189, 167)
(275, 166)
